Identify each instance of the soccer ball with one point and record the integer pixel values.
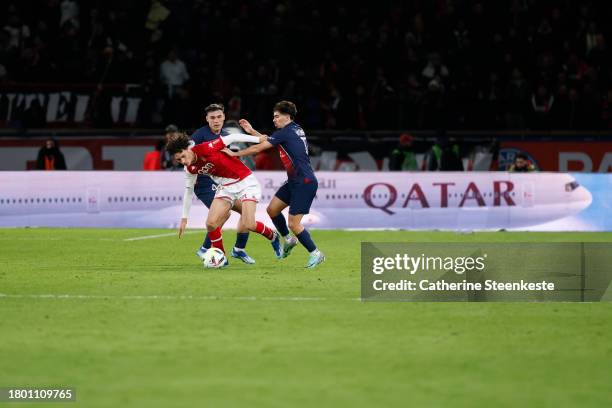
(214, 258)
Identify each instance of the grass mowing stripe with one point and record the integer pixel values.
(169, 297)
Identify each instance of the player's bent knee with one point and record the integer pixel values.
(212, 224)
(295, 226)
(272, 212)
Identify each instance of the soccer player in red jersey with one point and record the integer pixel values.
(235, 182)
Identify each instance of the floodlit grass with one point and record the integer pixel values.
(144, 325)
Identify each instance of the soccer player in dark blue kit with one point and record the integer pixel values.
(205, 187)
(300, 189)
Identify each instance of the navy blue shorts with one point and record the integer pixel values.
(205, 193)
(298, 195)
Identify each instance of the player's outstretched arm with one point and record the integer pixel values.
(240, 137)
(190, 180)
(249, 151)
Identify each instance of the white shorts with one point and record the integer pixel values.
(247, 189)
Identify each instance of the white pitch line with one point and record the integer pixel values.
(57, 239)
(170, 234)
(168, 297)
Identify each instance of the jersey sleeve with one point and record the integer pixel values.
(208, 147)
(190, 180)
(277, 137)
(239, 137)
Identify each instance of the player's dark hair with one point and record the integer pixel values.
(177, 142)
(171, 129)
(214, 107)
(287, 108)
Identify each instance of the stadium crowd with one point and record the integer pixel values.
(414, 64)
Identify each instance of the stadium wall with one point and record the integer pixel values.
(381, 200)
(331, 152)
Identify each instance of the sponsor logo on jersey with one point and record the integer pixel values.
(205, 168)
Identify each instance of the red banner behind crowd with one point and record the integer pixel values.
(80, 154)
(595, 157)
(115, 153)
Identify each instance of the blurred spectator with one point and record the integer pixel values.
(234, 106)
(157, 14)
(409, 64)
(444, 155)
(541, 104)
(167, 162)
(34, 116)
(607, 109)
(403, 157)
(173, 74)
(18, 33)
(590, 38)
(50, 157)
(434, 68)
(434, 105)
(521, 164)
(516, 99)
(2, 73)
(70, 13)
(152, 160)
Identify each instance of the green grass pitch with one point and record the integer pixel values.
(145, 326)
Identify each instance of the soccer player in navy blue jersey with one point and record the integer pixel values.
(300, 189)
(205, 186)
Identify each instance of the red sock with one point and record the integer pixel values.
(216, 239)
(263, 230)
